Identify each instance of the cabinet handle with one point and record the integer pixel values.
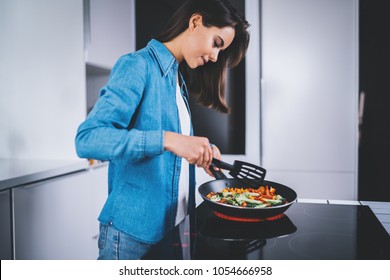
(87, 24)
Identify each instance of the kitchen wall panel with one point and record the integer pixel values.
(309, 95)
(42, 78)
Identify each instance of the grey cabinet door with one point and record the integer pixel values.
(56, 219)
(5, 228)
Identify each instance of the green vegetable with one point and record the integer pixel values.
(260, 206)
(243, 198)
(238, 199)
(215, 197)
(275, 202)
(231, 201)
(225, 194)
(251, 194)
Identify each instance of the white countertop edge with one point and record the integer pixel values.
(344, 202)
(310, 200)
(49, 169)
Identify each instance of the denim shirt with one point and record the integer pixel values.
(126, 127)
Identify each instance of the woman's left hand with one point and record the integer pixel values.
(217, 155)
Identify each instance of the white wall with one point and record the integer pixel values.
(310, 95)
(42, 78)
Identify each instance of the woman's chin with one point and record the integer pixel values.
(195, 64)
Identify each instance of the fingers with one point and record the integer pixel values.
(196, 150)
(215, 153)
(205, 156)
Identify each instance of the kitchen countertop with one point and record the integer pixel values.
(308, 230)
(16, 172)
(381, 209)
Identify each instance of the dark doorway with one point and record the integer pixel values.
(374, 83)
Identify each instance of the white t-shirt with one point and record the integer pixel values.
(184, 180)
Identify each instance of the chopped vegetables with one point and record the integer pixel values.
(249, 198)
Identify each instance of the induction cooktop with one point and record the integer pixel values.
(306, 231)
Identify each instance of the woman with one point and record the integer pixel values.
(141, 124)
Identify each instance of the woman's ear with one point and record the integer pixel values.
(195, 21)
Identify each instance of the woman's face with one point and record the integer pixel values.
(203, 44)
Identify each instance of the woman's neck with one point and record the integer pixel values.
(174, 46)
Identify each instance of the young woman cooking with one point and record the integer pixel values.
(141, 124)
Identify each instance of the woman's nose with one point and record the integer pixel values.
(213, 56)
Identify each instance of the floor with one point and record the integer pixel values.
(380, 209)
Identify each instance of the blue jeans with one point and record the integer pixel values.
(117, 245)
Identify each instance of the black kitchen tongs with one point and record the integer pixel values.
(248, 173)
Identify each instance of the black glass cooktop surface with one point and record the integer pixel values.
(305, 231)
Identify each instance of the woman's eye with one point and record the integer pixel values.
(216, 44)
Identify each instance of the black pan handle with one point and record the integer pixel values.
(221, 164)
(217, 174)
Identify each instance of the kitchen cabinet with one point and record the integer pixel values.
(5, 228)
(57, 218)
(310, 96)
(96, 78)
(108, 31)
(98, 190)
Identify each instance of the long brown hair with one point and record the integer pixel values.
(208, 81)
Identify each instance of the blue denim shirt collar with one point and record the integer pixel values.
(164, 57)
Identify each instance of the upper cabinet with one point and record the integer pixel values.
(108, 31)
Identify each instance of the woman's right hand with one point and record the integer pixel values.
(196, 150)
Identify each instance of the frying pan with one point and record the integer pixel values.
(222, 182)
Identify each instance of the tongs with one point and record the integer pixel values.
(248, 173)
